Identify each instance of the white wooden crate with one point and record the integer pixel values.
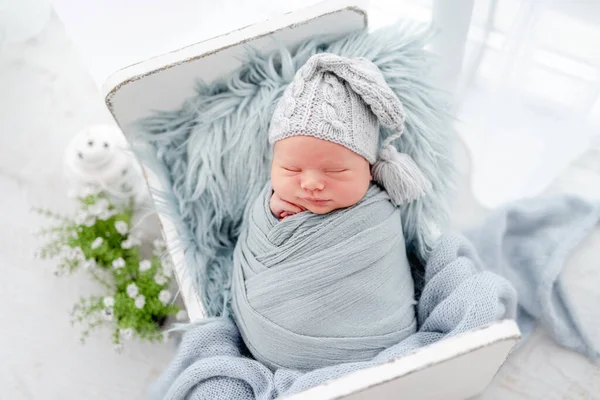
(456, 368)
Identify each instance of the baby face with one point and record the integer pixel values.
(318, 175)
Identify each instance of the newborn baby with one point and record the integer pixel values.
(311, 174)
(325, 132)
(320, 272)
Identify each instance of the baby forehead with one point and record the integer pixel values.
(310, 150)
(315, 162)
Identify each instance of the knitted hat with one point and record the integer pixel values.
(344, 100)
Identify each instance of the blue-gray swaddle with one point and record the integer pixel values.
(526, 242)
(318, 290)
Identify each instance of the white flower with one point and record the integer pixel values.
(160, 279)
(108, 301)
(74, 235)
(107, 314)
(164, 296)
(126, 244)
(140, 301)
(145, 265)
(168, 271)
(134, 240)
(121, 227)
(95, 209)
(127, 333)
(132, 290)
(104, 215)
(97, 243)
(89, 222)
(101, 206)
(167, 266)
(89, 264)
(181, 315)
(118, 263)
(118, 347)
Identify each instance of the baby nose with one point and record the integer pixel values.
(312, 182)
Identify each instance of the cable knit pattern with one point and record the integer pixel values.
(339, 99)
(334, 109)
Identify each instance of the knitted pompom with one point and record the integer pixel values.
(400, 176)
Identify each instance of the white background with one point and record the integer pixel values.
(529, 111)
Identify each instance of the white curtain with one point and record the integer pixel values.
(526, 77)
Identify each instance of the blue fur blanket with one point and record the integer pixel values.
(213, 156)
(507, 268)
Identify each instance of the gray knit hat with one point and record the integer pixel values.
(344, 100)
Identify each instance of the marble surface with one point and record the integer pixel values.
(47, 96)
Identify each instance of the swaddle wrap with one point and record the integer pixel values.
(317, 290)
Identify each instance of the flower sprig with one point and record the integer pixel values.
(99, 240)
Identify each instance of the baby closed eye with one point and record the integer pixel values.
(290, 169)
(335, 171)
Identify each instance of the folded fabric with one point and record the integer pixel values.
(526, 242)
(318, 290)
(529, 242)
(457, 296)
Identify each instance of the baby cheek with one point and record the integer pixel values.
(277, 182)
(283, 185)
(354, 191)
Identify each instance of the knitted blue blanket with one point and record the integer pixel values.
(470, 281)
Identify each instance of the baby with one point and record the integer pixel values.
(312, 287)
(326, 134)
